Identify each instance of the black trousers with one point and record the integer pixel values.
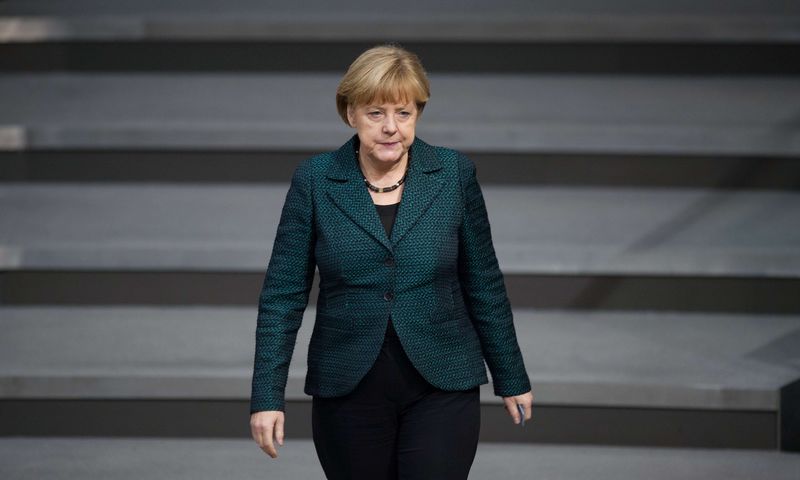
(395, 425)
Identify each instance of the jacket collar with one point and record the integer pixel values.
(347, 190)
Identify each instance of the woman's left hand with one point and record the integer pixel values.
(526, 400)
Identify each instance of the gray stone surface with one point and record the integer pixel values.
(677, 115)
(497, 20)
(536, 230)
(56, 458)
(642, 359)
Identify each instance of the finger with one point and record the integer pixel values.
(254, 433)
(260, 441)
(258, 433)
(269, 449)
(265, 441)
(269, 446)
(511, 407)
(530, 407)
(279, 430)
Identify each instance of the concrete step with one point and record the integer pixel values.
(515, 113)
(715, 381)
(480, 20)
(536, 230)
(601, 359)
(111, 458)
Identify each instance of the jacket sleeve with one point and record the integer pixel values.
(485, 292)
(284, 294)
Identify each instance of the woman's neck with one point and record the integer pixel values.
(382, 171)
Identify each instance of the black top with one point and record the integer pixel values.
(388, 214)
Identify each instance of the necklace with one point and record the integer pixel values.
(390, 188)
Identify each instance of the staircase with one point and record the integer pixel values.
(641, 168)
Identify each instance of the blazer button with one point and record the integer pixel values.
(388, 296)
(389, 262)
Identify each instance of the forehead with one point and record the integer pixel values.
(379, 104)
(386, 101)
(390, 97)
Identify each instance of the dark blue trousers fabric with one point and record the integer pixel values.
(395, 425)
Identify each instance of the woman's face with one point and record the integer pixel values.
(386, 131)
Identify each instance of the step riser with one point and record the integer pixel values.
(730, 58)
(711, 294)
(550, 424)
(497, 168)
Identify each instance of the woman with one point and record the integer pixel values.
(411, 299)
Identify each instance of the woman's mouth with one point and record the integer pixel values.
(392, 144)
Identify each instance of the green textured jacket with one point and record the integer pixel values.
(437, 276)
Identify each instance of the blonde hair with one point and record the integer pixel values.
(383, 73)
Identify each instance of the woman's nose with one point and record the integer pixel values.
(389, 125)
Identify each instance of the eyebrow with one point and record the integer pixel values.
(405, 107)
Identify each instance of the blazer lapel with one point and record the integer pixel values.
(422, 186)
(348, 192)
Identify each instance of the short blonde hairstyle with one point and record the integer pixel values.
(383, 73)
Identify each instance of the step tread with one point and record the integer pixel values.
(507, 20)
(647, 359)
(536, 229)
(213, 458)
(752, 115)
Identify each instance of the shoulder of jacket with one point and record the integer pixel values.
(451, 157)
(455, 159)
(311, 167)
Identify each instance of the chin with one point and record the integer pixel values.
(393, 157)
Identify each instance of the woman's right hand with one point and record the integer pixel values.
(266, 425)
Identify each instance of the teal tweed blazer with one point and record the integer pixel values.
(437, 276)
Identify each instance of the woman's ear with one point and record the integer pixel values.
(351, 116)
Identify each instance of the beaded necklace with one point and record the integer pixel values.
(390, 188)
